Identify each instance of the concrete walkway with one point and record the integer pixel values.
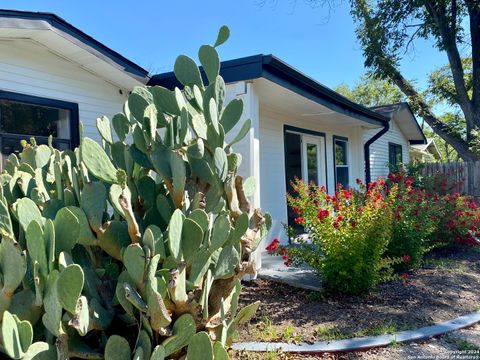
(274, 269)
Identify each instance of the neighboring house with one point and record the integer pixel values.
(394, 146)
(52, 75)
(424, 153)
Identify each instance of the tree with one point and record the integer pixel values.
(387, 29)
(370, 91)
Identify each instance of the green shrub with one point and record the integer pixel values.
(349, 234)
(132, 248)
(414, 222)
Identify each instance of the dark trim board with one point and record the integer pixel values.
(417, 142)
(277, 71)
(36, 100)
(301, 130)
(63, 25)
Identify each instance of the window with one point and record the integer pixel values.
(340, 152)
(24, 116)
(394, 154)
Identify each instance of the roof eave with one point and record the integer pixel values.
(275, 70)
(62, 25)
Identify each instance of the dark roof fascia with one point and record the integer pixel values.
(275, 70)
(63, 25)
(404, 104)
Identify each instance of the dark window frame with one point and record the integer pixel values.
(294, 129)
(336, 138)
(394, 147)
(74, 140)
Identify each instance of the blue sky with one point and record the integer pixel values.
(153, 32)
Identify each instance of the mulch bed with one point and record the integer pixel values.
(446, 287)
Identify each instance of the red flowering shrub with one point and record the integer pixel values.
(443, 216)
(458, 220)
(413, 222)
(358, 236)
(349, 233)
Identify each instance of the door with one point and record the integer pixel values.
(305, 159)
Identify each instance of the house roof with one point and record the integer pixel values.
(430, 147)
(405, 119)
(279, 72)
(30, 21)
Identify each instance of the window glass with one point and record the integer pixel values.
(341, 162)
(34, 120)
(340, 152)
(395, 154)
(21, 120)
(312, 163)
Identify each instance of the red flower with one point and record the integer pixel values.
(391, 177)
(273, 246)
(322, 214)
(299, 220)
(354, 224)
(358, 181)
(339, 218)
(295, 209)
(409, 182)
(404, 276)
(347, 194)
(406, 258)
(335, 224)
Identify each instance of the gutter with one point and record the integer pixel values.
(366, 150)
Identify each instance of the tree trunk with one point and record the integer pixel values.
(440, 128)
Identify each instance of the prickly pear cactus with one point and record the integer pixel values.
(133, 248)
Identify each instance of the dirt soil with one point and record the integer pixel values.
(446, 287)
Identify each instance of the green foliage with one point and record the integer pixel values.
(349, 231)
(370, 91)
(132, 249)
(413, 224)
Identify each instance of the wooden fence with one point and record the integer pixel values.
(465, 174)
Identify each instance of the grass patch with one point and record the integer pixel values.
(447, 264)
(461, 344)
(323, 332)
(266, 331)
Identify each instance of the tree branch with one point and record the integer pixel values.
(448, 38)
(439, 127)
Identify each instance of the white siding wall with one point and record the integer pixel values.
(272, 162)
(379, 149)
(28, 68)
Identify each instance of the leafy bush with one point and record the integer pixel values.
(349, 234)
(358, 236)
(458, 220)
(132, 248)
(414, 221)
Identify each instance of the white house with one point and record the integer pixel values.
(52, 74)
(302, 128)
(396, 145)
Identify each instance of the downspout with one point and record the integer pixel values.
(366, 150)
